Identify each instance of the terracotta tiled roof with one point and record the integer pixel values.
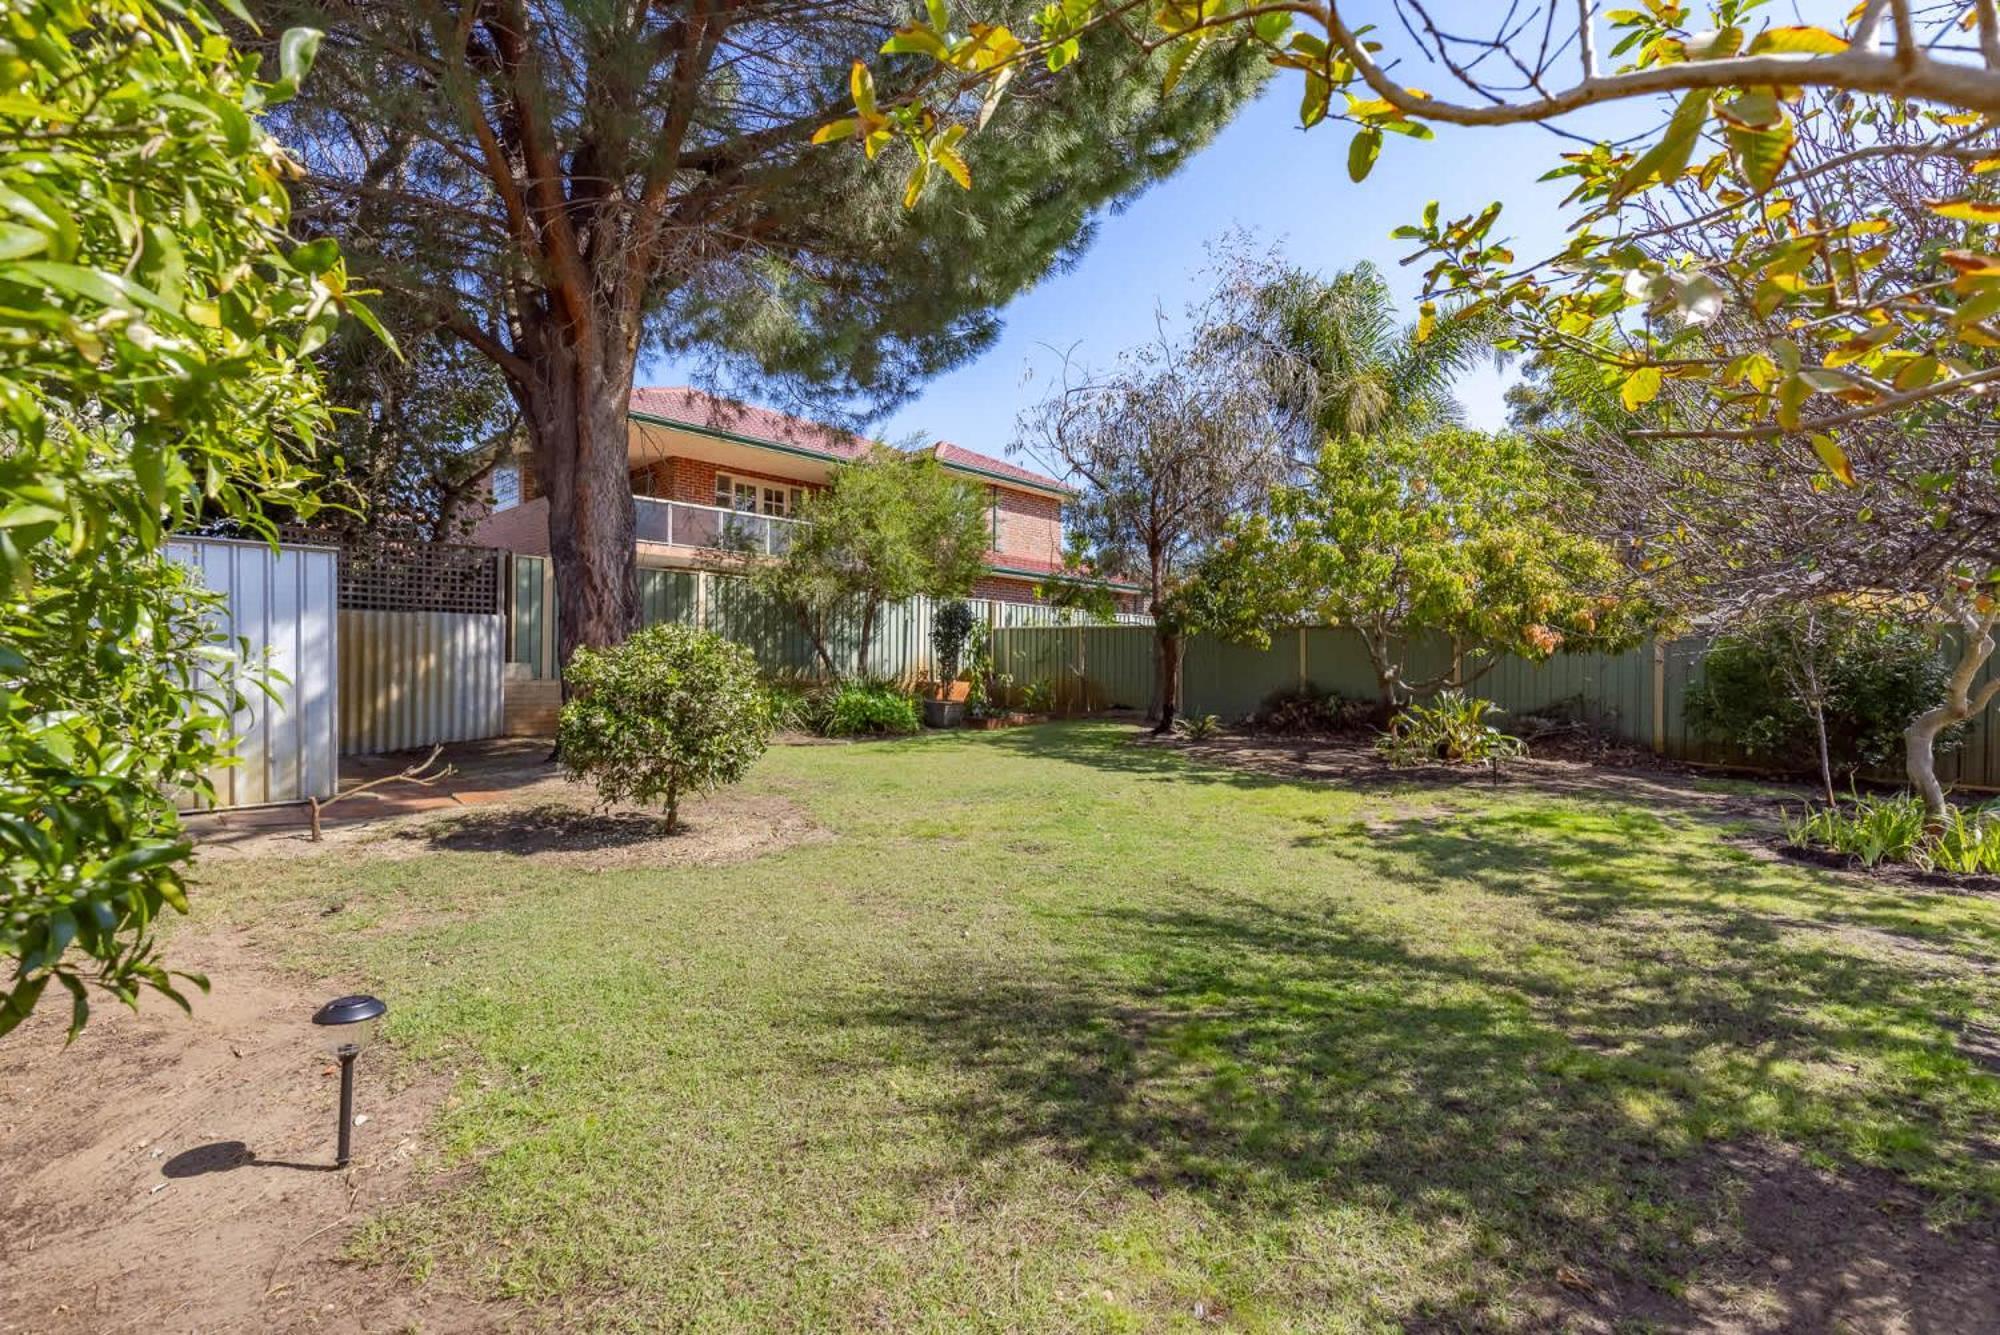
(958, 456)
(711, 412)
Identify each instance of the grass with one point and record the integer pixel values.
(1062, 1033)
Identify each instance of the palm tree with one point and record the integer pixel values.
(1339, 360)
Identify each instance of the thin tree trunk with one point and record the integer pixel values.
(868, 612)
(673, 803)
(1960, 703)
(1825, 759)
(1168, 645)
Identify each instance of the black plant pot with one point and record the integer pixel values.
(944, 713)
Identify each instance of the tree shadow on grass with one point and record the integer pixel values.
(1274, 1063)
(551, 827)
(1609, 863)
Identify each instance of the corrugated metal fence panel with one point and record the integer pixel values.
(410, 679)
(665, 595)
(281, 603)
(529, 612)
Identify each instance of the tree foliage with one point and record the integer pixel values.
(672, 711)
(890, 526)
(1166, 447)
(419, 428)
(1747, 97)
(564, 185)
(152, 371)
(1338, 357)
(1452, 533)
(1844, 675)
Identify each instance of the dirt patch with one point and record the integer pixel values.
(1811, 1251)
(1895, 873)
(1353, 762)
(566, 830)
(546, 817)
(169, 1172)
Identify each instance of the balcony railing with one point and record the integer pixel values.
(713, 528)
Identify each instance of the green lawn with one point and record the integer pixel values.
(1057, 1032)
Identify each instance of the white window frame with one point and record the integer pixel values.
(728, 484)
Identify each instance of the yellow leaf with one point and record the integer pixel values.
(1971, 262)
(1834, 458)
(1641, 388)
(832, 130)
(1800, 40)
(1426, 320)
(1966, 210)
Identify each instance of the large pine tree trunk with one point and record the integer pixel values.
(576, 423)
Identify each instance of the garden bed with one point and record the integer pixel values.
(1969, 883)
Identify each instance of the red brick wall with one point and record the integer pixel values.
(1028, 526)
(1005, 589)
(522, 528)
(693, 480)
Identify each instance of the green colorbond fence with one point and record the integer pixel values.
(1639, 696)
(899, 649)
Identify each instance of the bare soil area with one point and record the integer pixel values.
(1353, 761)
(1816, 1251)
(175, 1173)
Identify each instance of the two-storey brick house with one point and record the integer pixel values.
(710, 473)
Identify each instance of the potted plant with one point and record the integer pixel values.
(945, 702)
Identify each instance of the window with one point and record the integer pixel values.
(993, 517)
(752, 497)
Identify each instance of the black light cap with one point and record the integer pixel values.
(350, 1010)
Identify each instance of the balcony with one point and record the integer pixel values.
(712, 528)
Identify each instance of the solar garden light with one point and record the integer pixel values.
(350, 1024)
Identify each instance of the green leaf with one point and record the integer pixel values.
(1362, 153)
(296, 50)
(1666, 160)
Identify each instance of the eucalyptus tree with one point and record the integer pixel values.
(1165, 448)
(569, 184)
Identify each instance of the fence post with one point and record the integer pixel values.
(1659, 697)
(1302, 658)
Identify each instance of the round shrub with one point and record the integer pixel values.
(672, 710)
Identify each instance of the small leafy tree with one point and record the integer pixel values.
(1820, 687)
(153, 325)
(950, 630)
(673, 710)
(891, 526)
(1451, 533)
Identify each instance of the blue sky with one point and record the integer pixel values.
(1263, 174)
